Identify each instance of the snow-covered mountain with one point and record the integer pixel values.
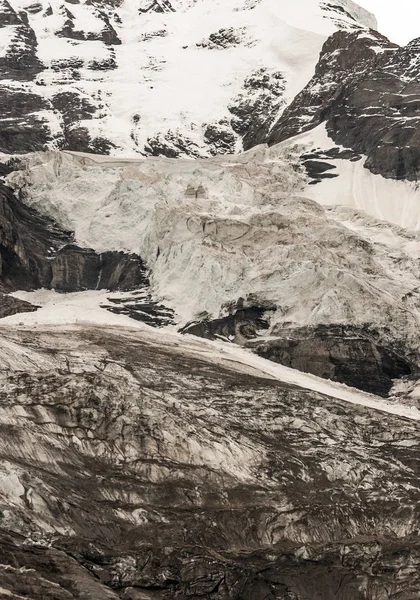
(242, 171)
(161, 77)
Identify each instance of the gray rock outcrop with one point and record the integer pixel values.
(35, 253)
(366, 90)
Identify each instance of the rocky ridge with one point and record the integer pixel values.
(366, 91)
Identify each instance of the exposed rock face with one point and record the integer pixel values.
(255, 108)
(345, 57)
(107, 34)
(141, 306)
(367, 91)
(171, 145)
(387, 119)
(158, 6)
(226, 38)
(343, 354)
(76, 269)
(23, 129)
(358, 357)
(12, 306)
(134, 469)
(242, 324)
(18, 61)
(35, 253)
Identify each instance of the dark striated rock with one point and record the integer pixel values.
(317, 166)
(105, 3)
(25, 243)
(241, 324)
(318, 170)
(9, 166)
(384, 105)
(159, 33)
(75, 268)
(20, 61)
(158, 6)
(345, 354)
(34, 8)
(345, 58)
(366, 90)
(13, 306)
(70, 66)
(107, 64)
(35, 253)
(107, 35)
(73, 106)
(22, 130)
(8, 16)
(140, 306)
(171, 145)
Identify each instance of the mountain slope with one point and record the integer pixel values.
(179, 78)
(277, 459)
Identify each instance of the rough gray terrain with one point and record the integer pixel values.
(133, 468)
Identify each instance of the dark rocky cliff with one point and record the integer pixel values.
(367, 91)
(35, 253)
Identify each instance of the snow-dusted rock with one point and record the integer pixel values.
(366, 90)
(151, 77)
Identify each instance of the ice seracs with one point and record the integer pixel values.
(215, 232)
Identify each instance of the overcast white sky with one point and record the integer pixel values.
(398, 19)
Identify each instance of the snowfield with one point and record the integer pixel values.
(396, 202)
(165, 77)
